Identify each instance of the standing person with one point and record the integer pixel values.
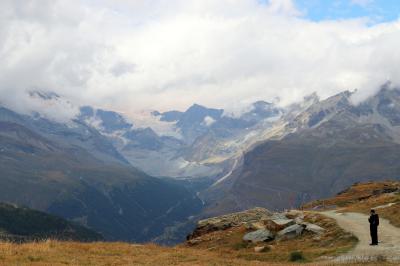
(373, 227)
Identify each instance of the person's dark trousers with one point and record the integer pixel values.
(374, 234)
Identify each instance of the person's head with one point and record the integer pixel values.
(372, 211)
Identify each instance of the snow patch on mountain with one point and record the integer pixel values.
(146, 119)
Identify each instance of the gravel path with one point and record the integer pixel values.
(357, 224)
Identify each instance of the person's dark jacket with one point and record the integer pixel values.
(374, 220)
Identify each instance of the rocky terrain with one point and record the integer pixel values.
(264, 225)
(265, 235)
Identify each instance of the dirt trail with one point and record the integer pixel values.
(357, 224)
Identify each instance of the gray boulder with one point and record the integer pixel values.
(261, 235)
(299, 220)
(281, 220)
(314, 228)
(290, 232)
(285, 222)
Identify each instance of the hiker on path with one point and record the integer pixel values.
(373, 227)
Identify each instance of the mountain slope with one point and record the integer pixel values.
(23, 224)
(76, 173)
(328, 147)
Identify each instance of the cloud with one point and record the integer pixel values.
(133, 55)
(208, 121)
(122, 68)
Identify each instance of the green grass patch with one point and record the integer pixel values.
(297, 256)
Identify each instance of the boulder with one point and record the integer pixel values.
(285, 222)
(194, 241)
(294, 213)
(260, 249)
(261, 235)
(299, 220)
(290, 232)
(316, 229)
(270, 225)
(281, 220)
(255, 226)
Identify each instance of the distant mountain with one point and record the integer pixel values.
(195, 121)
(210, 140)
(107, 121)
(19, 224)
(170, 116)
(316, 153)
(74, 171)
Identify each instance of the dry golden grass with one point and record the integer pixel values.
(72, 253)
(355, 194)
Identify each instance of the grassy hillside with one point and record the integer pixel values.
(18, 224)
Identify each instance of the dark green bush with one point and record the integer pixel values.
(296, 256)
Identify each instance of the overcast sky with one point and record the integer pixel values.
(168, 54)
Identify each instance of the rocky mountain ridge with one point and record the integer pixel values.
(323, 149)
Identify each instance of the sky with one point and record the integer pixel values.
(377, 11)
(168, 54)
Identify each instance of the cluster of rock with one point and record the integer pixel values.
(281, 226)
(223, 222)
(263, 224)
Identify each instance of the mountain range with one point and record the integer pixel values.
(73, 171)
(151, 178)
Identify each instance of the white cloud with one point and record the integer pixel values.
(208, 121)
(132, 55)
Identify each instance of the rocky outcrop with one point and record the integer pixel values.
(261, 225)
(251, 219)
